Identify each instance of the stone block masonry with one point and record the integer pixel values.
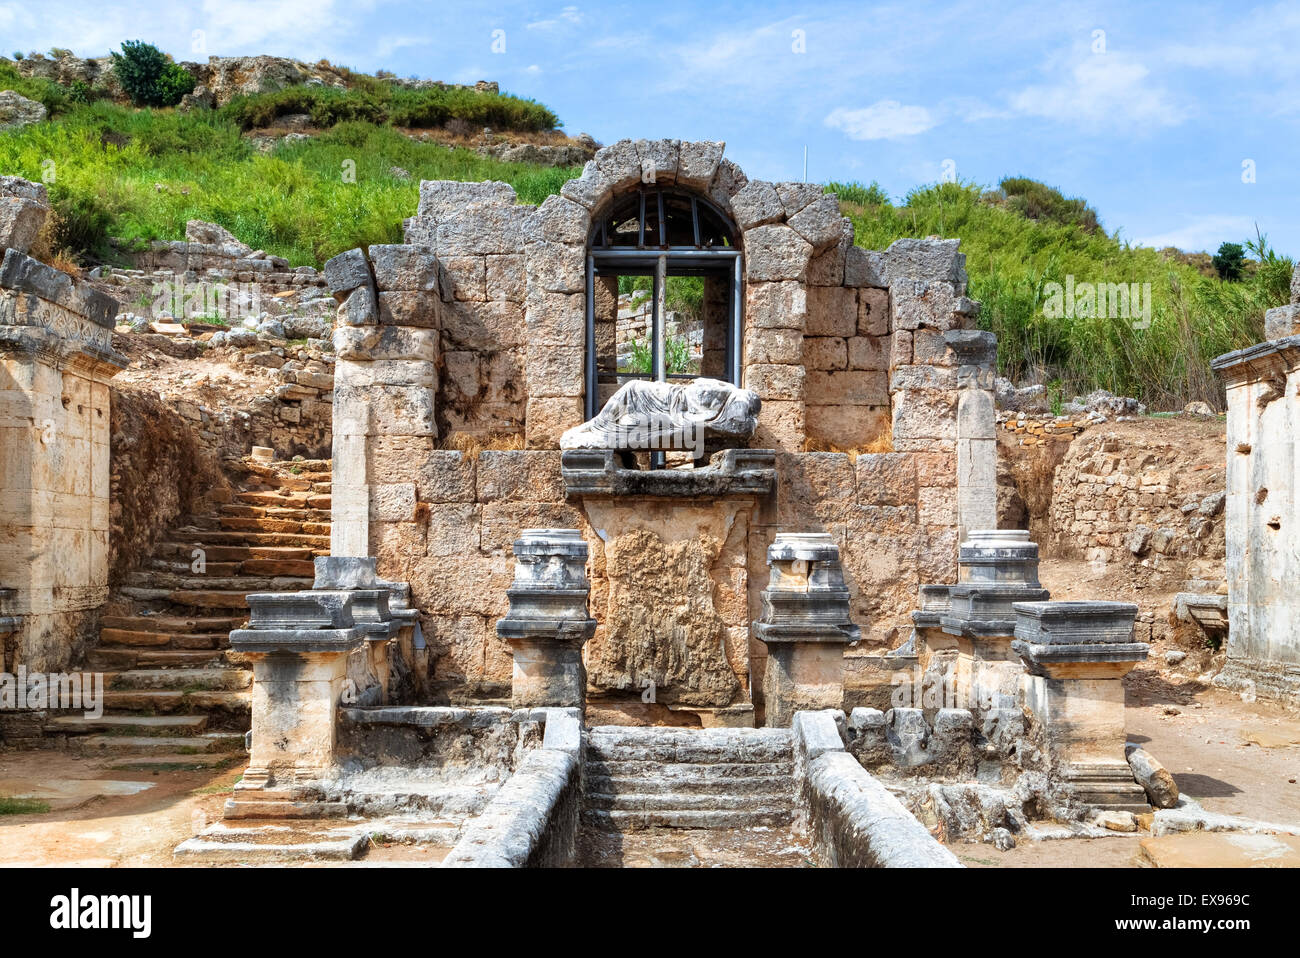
(461, 358)
(56, 360)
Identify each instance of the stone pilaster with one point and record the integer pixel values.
(977, 451)
(1263, 483)
(548, 624)
(1076, 654)
(805, 626)
(56, 360)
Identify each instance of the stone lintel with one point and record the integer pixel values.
(1264, 360)
(598, 473)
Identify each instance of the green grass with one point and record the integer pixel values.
(141, 174)
(23, 806)
(1010, 257)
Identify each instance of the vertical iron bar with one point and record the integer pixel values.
(640, 230)
(736, 314)
(663, 226)
(695, 219)
(589, 401)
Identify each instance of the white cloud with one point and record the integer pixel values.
(1100, 90)
(883, 120)
(569, 15)
(1202, 233)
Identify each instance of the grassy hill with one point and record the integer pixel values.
(140, 174)
(1021, 238)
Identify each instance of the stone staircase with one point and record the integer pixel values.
(651, 777)
(171, 684)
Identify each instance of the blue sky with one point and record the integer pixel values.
(1151, 112)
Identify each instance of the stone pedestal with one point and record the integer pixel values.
(964, 630)
(1075, 654)
(548, 624)
(805, 626)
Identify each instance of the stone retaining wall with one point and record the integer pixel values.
(533, 820)
(851, 818)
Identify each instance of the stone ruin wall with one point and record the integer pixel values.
(477, 325)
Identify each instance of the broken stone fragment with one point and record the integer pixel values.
(1154, 778)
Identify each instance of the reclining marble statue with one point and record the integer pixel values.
(702, 415)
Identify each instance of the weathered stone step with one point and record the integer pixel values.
(126, 658)
(227, 537)
(304, 514)
(171, 640)
(245, 809)
(670, 745)
(185, 567)
(271, 844)
(751, 785)
(208, 743)
(192, 598)
(291, 526)
(136, 725)
(297, 500)
(209, 583)
(173, 623)
(180, 679)
(624, 820)
(774, 803)
(240, 553)
(167, 701)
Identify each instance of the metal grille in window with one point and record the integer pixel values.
(661, 241)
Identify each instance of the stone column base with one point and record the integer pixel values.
(802, 675)
(547, 674)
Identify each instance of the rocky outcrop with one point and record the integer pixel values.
(17, 111)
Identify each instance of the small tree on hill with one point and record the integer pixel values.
(1229, 261)
(148, 77)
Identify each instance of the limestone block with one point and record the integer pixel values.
(559, 220)
(900, 348)
(360, 308)
(864, 268)
(1282, 321)
(918, 304)
(505, 277)
(463, 278)
(775, 381)
(388, 372)
(374, 343)
(886, 478)
(781, 425)
(825, 352)
(393, 410)
(443, 199)
(347, 271)
(549, 417)
(756, 204)
(503, 521)
(556, 267)
(397, 459)
(847, 387)
(447, 476)
(783, 346)
(21, 220)
(657, 160)
(727, 182)
(555, 319)
(697, 163)
(402, 267)
(869, 352)
(930, 349)
(590, 189)
(519, 476)
(416, 309)
(484, 230)
(620, 165)
(927, 260)
(555, 371)
(819, 222)
(922, 378)
(827, 267)
(392, 502)
(873, 312)
(924, 414)
(832, 311)
(483, 327)
(775, 253)
(455, 529)
(779, 305)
